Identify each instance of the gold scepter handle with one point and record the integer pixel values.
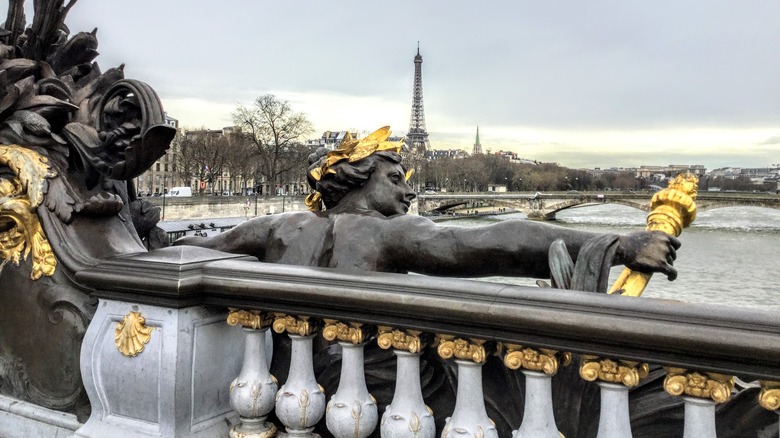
(671, 210)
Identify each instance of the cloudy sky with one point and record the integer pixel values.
(595, 83)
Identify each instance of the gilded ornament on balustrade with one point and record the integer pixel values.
(542, 359)
(132, 334)
(353, 332)
(300, 325)
(714, 386)
(405, 340)
(250, 319)
(626, 372)
(459, 348)
(769, 398)
(21, 233)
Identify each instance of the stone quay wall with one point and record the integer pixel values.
(203, 207)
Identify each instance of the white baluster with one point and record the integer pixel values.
(614, 377)
(614, 421)
(352, 411)
(408, 416)
(699, 418)
(538, 417)
(538, 365)
(469, 419)
(300, 402)
(252, 392)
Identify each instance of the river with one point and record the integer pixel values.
(729, 256)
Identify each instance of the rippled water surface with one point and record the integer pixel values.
(728, 256)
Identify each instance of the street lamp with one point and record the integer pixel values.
(165, 193)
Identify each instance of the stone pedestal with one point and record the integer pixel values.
(171, 378)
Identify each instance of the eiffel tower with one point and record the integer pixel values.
(417, 137)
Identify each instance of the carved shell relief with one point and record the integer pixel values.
(132, 334)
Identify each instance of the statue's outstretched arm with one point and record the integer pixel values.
(249, 237)
(510, 248)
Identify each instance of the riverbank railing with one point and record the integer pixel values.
(161, 357)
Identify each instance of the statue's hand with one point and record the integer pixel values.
(649, 251)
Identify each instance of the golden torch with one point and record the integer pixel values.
(671, 210)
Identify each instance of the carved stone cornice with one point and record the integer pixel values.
(471, 349)
(295, 325)
(769, 398)
(406, 340)
(714, 386)
(353, 332)
(542, 359)
(132, 334)
(249, 319)
(629, 373)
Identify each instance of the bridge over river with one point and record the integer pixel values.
(544, 206)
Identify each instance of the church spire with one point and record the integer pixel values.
(477, 145)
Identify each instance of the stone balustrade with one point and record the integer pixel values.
(200, 377)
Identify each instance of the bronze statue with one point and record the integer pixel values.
(363, 188)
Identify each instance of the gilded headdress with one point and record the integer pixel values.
(352, 150)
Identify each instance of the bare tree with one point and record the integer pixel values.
(184, 164)
(276, 131)
(203, 154)
(241, 161)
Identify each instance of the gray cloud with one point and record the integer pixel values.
(601, 64)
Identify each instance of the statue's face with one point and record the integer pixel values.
(387, 191)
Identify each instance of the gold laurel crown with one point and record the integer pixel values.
(352, 150)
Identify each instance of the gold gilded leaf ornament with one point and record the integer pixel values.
(370, 144)
(314, 201)
(20, 231)
(346, 145)
(31, 169)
